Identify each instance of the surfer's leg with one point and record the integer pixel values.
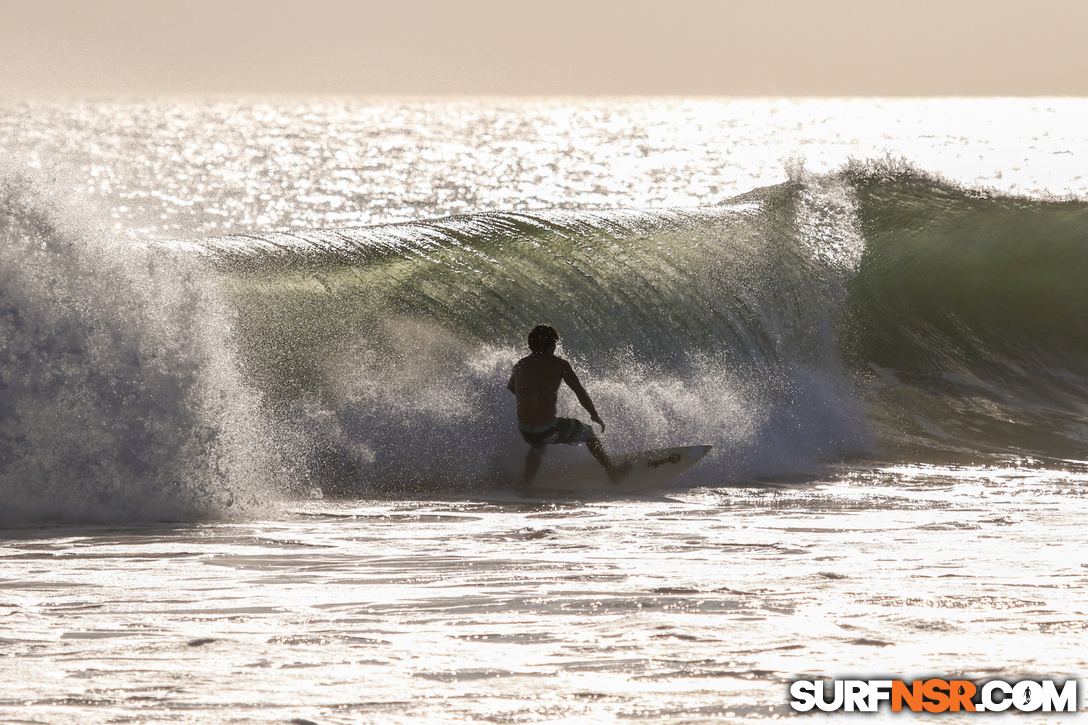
(615, 473)
(573, 431)
(597, 449)
(532, 465)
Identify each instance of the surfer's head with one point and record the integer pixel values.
(543, 338)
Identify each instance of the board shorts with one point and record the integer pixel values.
(569, 431)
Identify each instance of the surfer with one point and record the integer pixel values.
(535, 383)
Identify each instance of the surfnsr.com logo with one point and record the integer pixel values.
(935, 695)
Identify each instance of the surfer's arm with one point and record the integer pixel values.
(583, 397)
(510, 386)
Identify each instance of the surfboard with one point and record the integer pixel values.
(648, 468)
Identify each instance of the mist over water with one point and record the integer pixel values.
(120, 397)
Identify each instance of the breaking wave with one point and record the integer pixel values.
(120, 398)
(877, 312)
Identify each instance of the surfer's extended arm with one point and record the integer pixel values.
(583, 397)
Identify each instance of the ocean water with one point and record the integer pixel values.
(256, 449)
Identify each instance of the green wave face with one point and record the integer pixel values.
(971, 308)
(699, 324)
(662, 288)
(871, 312)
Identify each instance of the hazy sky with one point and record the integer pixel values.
(109, 48)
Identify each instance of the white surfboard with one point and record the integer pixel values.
(648, 468)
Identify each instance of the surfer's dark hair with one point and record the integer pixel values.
(542, 337)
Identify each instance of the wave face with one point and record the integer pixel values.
(969, 307)
(874, 312)
(119, 397)
(714, 325)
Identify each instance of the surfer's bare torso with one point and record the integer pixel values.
(535, 383)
